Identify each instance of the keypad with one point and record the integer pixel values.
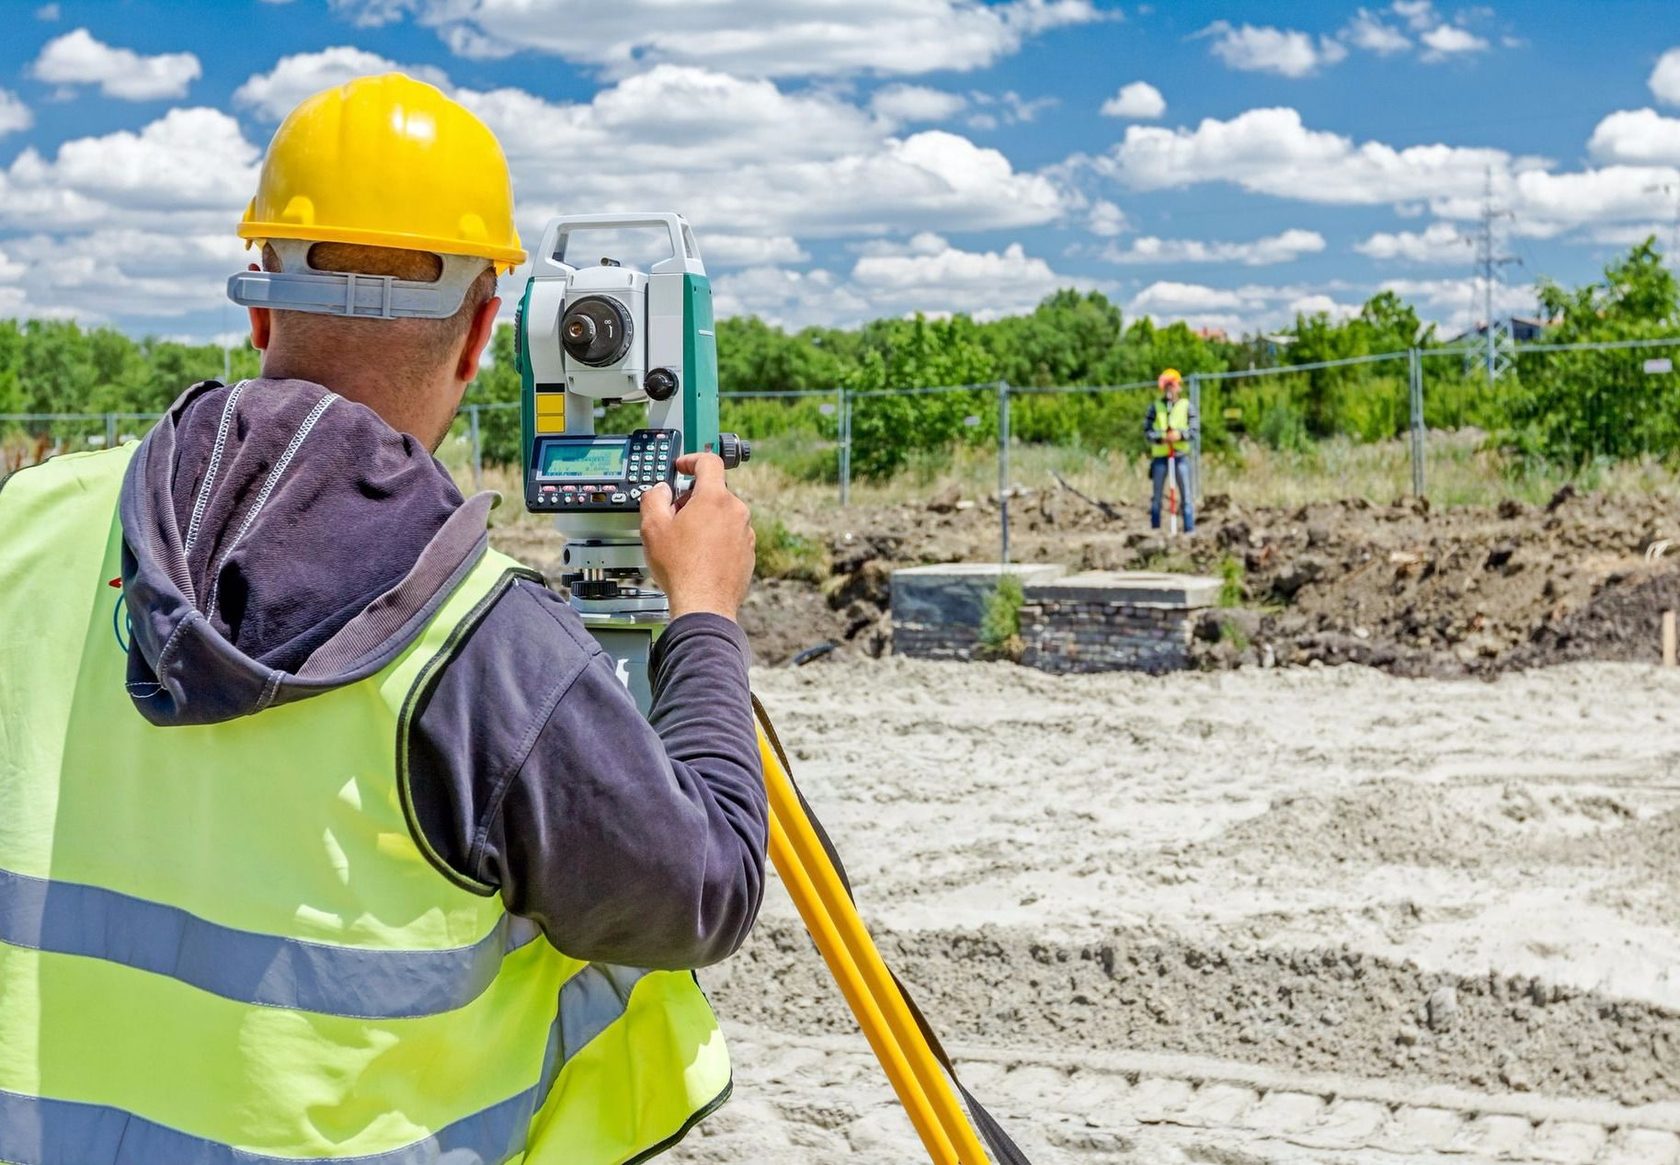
(651, 458)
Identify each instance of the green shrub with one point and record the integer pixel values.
(1232, 587)
(780, 553)
(1000, 623)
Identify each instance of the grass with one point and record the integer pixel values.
(1232, 589)
(780, 553)
(1460, 470)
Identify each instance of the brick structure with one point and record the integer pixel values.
(1094, 621)
(936, 610)
(1105, 620)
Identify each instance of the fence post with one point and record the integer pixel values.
(1196, 441)
(1003, 470)
(845, 445)
(1414, 367)
(477, 448)
(110, 430)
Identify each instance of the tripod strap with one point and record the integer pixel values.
(1002, 1147)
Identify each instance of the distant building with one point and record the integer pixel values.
(1212, 334)
(1523, 330)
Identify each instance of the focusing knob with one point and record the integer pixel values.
(733, 450)
(595, 588)
(660, 384)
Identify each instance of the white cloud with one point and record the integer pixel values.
(791, 298)
(1458, 304)
(1418, 14)
(186, 160)
(1250, 308)
(1637, 136)
(1140, 99)
(1105, 219)
(1285, 52)
(1176, 299)
(273, 94)
(76, 58)
(14, 114)
(924, 274)
(1370, 32)
(1448, 40)
(47, 12)
(1439, 242)
(1280, 248)
(1665, 78)
(791, 38)
(1319, 304)
(741, 156)
(1270, 151)
(1011, 108)
(725, 250)
(161, 274)
(911, 103)
(931, 275)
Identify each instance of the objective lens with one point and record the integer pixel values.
(596, 331)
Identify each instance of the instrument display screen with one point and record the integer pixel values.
(593, 459)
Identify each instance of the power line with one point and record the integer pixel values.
(1489, 264)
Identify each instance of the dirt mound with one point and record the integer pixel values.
(1617, 623)
(1405, 587)
(1305, 1010)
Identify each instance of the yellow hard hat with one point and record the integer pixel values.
(1170, 374)
(387, 161)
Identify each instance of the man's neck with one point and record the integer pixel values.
(404, 408)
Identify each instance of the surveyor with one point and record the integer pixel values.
(1169, 428)
(327, 832)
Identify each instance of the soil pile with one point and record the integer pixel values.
(1403, 587)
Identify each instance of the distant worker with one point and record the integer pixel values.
(328, 833)
(1170, 428)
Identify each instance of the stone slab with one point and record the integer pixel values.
(956, 592)
(1135, 588)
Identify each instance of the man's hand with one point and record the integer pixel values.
(700, 546)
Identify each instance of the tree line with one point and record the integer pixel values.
(1564, 407)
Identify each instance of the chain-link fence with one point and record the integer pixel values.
(1425, 422)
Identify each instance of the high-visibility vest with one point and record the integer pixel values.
(1176, 417)
(222, 944)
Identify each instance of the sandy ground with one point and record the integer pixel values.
(1314, 914)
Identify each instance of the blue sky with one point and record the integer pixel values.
(1226, 164)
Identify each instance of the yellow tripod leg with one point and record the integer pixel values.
(869, 989)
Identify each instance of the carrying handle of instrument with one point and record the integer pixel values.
(915, 1062)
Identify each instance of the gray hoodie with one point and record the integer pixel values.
(281, 541)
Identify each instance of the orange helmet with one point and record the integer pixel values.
(1170, 376)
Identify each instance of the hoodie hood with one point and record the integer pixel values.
(279, 541)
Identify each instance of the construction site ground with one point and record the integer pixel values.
(1298, 915)
(1408, 894)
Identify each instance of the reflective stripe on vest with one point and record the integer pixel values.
(223, 943)
(1178, 417)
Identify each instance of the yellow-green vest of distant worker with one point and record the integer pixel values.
(1175, 416)
(224, 944)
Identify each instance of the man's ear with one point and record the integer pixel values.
(262, 321)
(478, 338)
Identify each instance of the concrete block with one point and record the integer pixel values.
(956, 592)
(1133, 588)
